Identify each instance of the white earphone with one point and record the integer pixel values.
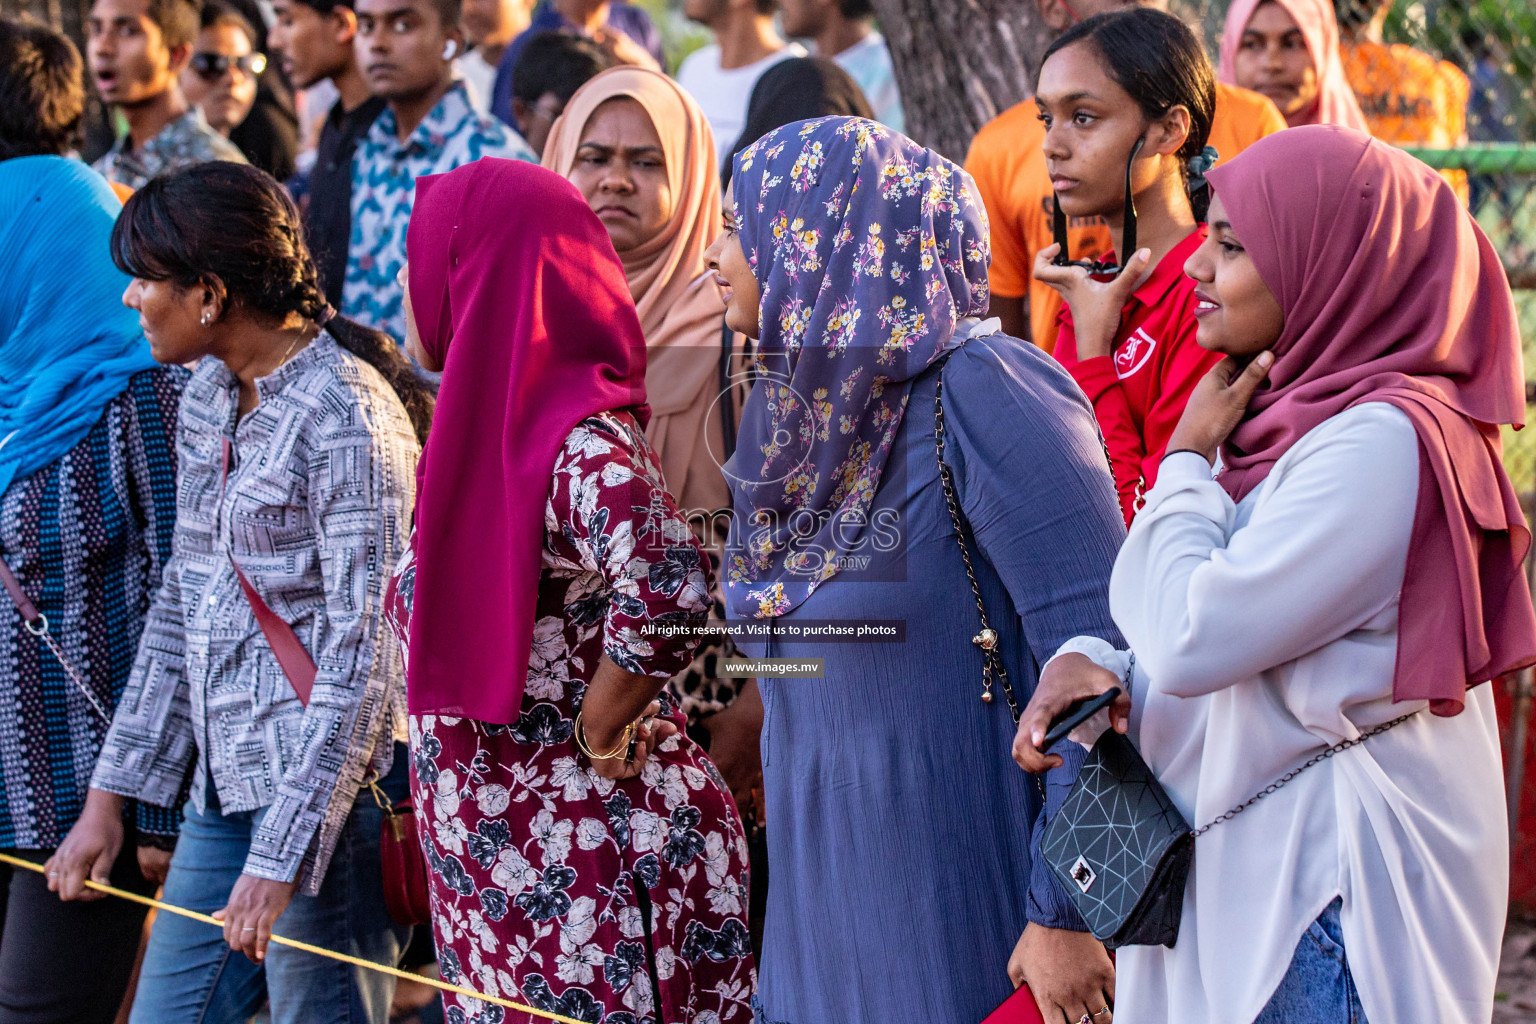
(450, 50)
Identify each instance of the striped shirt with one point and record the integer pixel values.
(319, 497)
(88, 538)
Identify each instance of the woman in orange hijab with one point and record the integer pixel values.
(640, 150)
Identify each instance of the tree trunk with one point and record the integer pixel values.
(71, 17)
(66, 16)
(960, 63)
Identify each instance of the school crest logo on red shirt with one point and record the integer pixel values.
(1134, 353)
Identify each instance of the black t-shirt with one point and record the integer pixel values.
(269, 135)
(328, 218)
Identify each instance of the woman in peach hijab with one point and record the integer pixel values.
(1289, 51)
(640, 150)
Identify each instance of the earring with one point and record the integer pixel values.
(207, 319)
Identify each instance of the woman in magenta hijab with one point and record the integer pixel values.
(1352, 573)
(584, 856)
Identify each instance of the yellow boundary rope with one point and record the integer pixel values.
(306, 947)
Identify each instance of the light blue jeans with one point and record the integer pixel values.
(191, 977)
(1318, 988)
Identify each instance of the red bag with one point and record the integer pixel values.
(404, 865)
(1018, 1008)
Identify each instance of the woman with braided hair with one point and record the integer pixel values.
(298, 439)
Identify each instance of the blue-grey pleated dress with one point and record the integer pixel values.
(900, 830)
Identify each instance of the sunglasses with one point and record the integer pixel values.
(1098, 270)
(214, 66)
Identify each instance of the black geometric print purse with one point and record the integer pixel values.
(1123, 851)
(1119, 846)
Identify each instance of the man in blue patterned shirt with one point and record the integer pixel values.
(406, 49)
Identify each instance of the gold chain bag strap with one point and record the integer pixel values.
(992, 667)
(1021, 1005)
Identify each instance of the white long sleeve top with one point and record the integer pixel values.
(1266, 631)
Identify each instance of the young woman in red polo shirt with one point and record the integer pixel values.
(1130, 88)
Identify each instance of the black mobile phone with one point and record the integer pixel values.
(1078, 712)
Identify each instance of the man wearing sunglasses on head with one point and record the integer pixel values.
(137, 49)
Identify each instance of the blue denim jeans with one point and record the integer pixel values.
(191, 976)
(1318, 988)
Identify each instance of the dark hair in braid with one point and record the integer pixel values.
(233, 228)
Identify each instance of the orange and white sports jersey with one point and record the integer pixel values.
(1410, 98)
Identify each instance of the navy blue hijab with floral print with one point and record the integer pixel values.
(868, 249)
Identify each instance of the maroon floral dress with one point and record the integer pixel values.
(535, 859)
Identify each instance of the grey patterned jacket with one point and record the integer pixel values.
(185, 141)
(317, 510)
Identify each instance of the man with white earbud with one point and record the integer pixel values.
(406, 50)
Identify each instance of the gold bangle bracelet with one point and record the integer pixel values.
(613, 755)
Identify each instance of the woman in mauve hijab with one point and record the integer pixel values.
(585, 857)
(1353, 572)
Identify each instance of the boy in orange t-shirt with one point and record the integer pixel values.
(1006, 160)
(1409, 98)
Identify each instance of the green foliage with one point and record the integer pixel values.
(679, 36)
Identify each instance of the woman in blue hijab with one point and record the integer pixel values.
(901, 835)
(87, 506)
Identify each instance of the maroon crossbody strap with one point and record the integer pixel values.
(402, 861)
(29, 613)
(286, 646)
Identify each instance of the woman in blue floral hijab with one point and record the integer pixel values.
(840, 200)
(900, 833)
